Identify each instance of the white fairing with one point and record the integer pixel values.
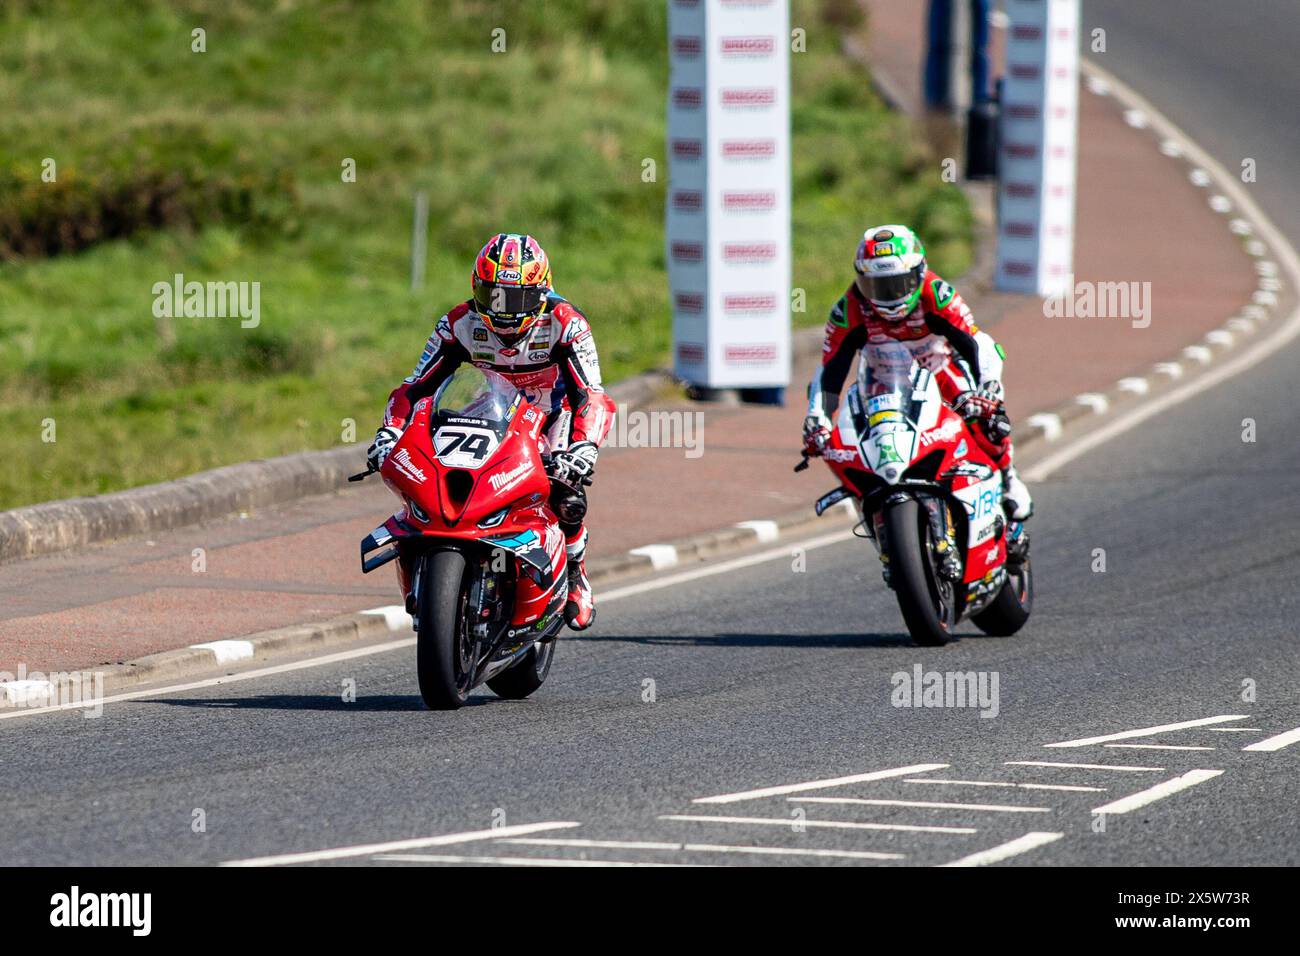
(983, 502)
(902, 400)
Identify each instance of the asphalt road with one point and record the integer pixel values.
(768, 677)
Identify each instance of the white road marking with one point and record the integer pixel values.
(821, 784)
(1270, 744)
(766, 531)
(924, 804)
(216, 681)
(369, 849)
(1161, 790)
(27, 692)
(1081, 766)
(661, 555)
(616, 594)
(1138, 386)
(711, 848)
(1148, 731)
(1095, 400)
(394, 615)
(725, 567)
(600, 844)
(1008, 784)
(518, 860)
(1263, 349)
(1048, 423)
(792, 822)
(1235, 730)
(1159, 747)
(1030, 841)
(226, 651)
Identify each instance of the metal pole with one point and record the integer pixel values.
(419, 239)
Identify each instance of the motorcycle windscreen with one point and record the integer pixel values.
(470, 417)
(897, 391)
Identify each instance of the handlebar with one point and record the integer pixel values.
(361, 476)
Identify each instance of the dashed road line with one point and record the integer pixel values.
(821, 784)
(1159, 747)
(1277, 742)
(370, 849)
(711, 848)
(1008, 784)
(520, 860)
(1030, 841)
(1146, 797)
(923, 804)
(1148, 731)
(792, 822)
(1081, 766)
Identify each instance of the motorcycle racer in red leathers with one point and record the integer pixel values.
(895, 297)
(518, 326)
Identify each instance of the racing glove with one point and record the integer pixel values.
(816, 433)
(576, 463)
(378, 451)
(983, 402)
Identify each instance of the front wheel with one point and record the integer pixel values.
(1009, 611)
(925, 598)
(444, 652)
(523, 678)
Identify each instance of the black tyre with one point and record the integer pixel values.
(526, 676)
(1010, 609)
(444, 651)
(925, 599)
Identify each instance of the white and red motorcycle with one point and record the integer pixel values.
(930, 499)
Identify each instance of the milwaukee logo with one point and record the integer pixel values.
(506, 479)
(402, 462)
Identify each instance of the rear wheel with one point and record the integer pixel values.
(522, 679)
(1010, 609)
(925, 598)
(444, 653)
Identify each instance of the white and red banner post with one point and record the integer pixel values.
(727, 221)
(1039, 145)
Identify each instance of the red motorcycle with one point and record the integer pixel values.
(931, 501)
(477, 541)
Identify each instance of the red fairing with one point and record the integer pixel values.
(949, 435)
(450, 503)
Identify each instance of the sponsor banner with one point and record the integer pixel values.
(1040, 105)
(727, 216)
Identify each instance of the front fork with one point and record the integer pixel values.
(947, 555)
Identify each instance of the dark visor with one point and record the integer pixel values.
(509, 300)
(889, 288)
